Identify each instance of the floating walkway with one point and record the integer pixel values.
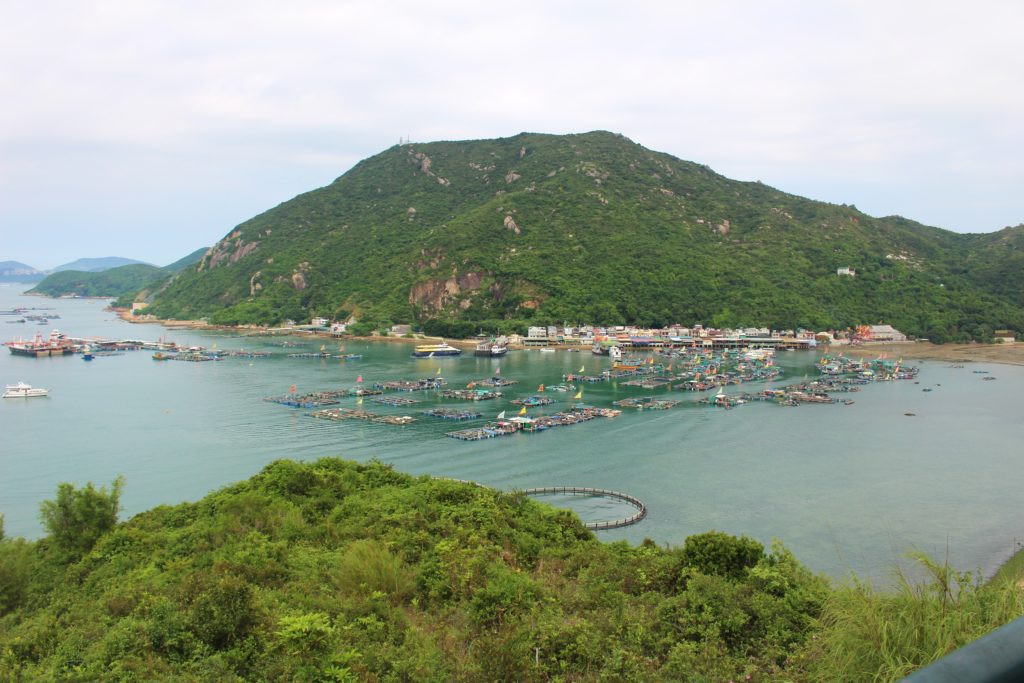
(603, 493)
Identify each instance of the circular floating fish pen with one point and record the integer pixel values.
(641, 508)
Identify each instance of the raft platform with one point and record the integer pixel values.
(452, 414)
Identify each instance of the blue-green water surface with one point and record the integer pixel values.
(846, 487)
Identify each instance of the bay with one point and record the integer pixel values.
(846, 488)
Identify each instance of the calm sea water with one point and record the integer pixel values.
(847, 488)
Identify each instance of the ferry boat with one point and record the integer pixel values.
(55, 345)
(22, 390)
(434, 350)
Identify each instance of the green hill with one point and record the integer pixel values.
(186, 261)
(336, 571)
(124, 282)
(112, 282)
(592, 228)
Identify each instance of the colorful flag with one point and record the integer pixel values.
(540, 389)
(360, 401)
(438, 371)
(470, 385)
(522, 411)
(501, 415)
(497, 371)
(359, 378)
(292, 389)
(578, 395)
(581, 369)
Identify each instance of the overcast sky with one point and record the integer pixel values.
(149, 129)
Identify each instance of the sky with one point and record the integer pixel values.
(148, 129)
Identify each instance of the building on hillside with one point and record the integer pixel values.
(1005, 336)
(846, 271)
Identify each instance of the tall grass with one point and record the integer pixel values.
(871, 635)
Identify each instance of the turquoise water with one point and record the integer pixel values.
(847, 488)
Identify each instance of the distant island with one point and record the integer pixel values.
(15, 271)
(96, 265)
(97, 278)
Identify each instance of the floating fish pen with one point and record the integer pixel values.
(595, 411)
(349, 356)
(470, 394)
(411, 384)
(242, 353)
(364, 391)
(646, 403)
(452, 414)
(475, 434)
(588, 491)
(339, 414)
(195, 357)
(494, 382)
(319, 354)
(532, 401)
(648, 382)
(802, 397)
(591, 379)
(312, 400)
(394, 400)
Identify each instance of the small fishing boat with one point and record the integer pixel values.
(23, 390)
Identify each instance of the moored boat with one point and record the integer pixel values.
(54, 345)
(435, 350)
(23, 390)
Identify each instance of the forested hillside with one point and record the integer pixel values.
(588, 228)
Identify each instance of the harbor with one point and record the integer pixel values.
(696, 466)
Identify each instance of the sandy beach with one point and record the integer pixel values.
(1009, 354)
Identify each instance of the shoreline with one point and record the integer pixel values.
(1005, 354)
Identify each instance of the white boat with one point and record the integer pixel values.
(22, 390)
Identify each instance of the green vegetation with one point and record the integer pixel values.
(186, 261)
(499, 234)
(114, 282)
(124, 282)
(336, 571)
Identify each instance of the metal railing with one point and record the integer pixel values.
(995, 658)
